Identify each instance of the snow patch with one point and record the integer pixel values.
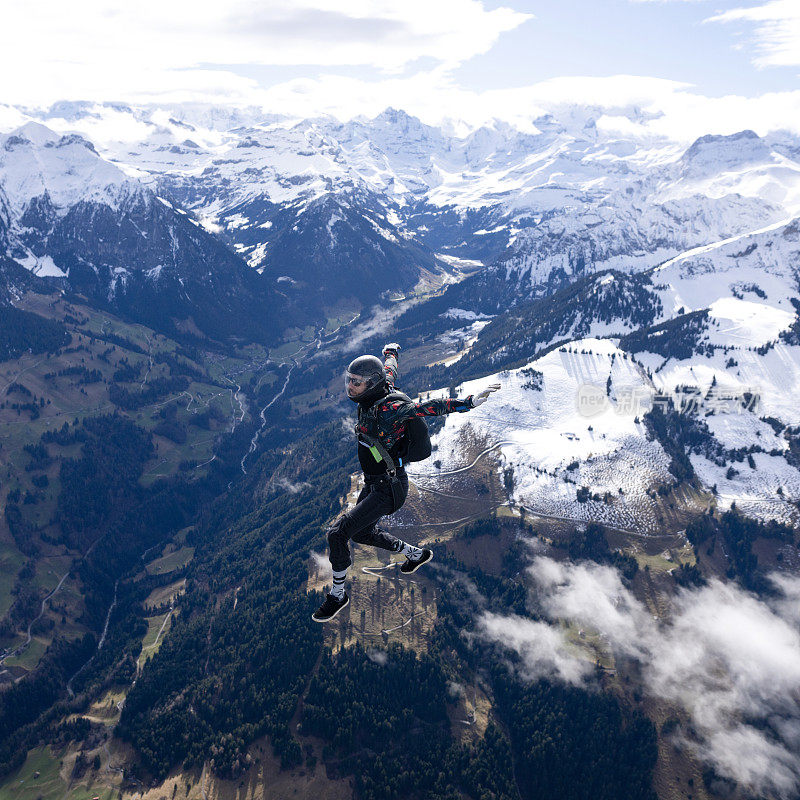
(42, 266)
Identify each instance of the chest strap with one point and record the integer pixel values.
(379, 452)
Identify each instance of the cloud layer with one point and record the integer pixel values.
(354, 57)
(105, 50)
(728, 659)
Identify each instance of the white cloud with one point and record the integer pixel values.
(433, 96)
(730, 660)
(377, 320)
(544, 650)
(293, 488)
(632, 105)
(321, 562)
(788, 605)
(777, 33)
(403, 55)
(11, 118)
(395, 54)
(106, 50)
(380, 657)
(592, 595)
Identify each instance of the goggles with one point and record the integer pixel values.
(356, 380)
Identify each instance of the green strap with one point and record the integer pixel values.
(380, 453)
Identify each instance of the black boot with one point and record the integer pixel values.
(330, 608)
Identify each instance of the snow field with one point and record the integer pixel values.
(775, 377)
(572, 429)
(755, 491)
(544, 432)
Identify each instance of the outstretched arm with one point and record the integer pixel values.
(399, 411)
(437, 408)
(390, 352)
(448, 405)
(430, 408)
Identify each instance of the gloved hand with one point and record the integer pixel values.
(482, 397)
(391, 349)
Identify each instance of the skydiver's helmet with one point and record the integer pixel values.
(365, 370)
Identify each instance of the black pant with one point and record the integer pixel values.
(381, 495)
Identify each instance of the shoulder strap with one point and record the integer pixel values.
(380, 453)
(391, 396)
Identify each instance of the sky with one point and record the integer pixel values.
(724, 64)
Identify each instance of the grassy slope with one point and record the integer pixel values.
(67, 399)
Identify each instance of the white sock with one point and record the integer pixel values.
(338, 584)
(409, 551)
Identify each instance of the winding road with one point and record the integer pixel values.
(25, 644)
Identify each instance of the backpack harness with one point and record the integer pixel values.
(371, 432)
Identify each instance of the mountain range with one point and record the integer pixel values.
(345, 213)
(180, 288)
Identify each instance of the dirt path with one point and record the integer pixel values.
(14, 378)
(237, 397)
(403, 624)
(528, 509)
(99, 644)
(23, 646)
(298, 712)
(150, 364)
(469, 466)
(160, 630)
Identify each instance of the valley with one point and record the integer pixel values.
(175, 317)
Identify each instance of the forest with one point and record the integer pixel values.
(229, 666)
(105, 476)
(22, 331)
(739, 533)
(221, 679)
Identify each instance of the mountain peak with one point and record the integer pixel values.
(723, 152)
(390, 114)
(741, 136)
(35, 161)
(396, 118)
(75, 138)
(35, 133)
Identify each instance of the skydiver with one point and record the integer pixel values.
(388, 436)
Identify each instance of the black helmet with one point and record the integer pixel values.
(368, 370)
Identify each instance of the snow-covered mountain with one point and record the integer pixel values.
(71, 215)
(680, 255)
(714, 333)
(762, 267)
(569, 427)
(44, 175)
(748, 285)
(565, 198)
(552, 449)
